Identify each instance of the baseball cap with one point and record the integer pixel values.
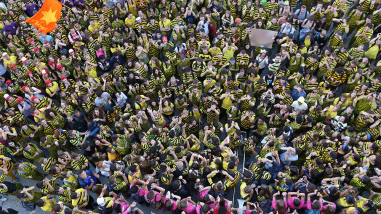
(71, 51)
(24, 88)
(301, 99)
(28, 72)
(43, 72)
(47, 82)
(12, 67)
(33, 98)
(63, 78)
(165, 39)
(8, 82)
(46, 42)
(4, 54)
(6, 96)
(237, 20)
(24, 59)
(36, 49)
(19, 99)
(101, 201)
(59, 66)
(30, 40)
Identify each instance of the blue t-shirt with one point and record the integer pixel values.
(87, 182)
(48, 38)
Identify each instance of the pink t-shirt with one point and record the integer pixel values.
(309, 205)
(290, 203)
(174, 206)
(191, 209)
(202, 193)
(99, 53)
(124, 207)
(250, 211)
(273, 204)
(154, 199)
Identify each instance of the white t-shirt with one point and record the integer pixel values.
(298, 107)
(262, 62)
(37, 95)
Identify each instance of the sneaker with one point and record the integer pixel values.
(3, 199)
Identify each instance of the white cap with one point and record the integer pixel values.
(71, 51)
(6, 96)
(24, 59)
(137, 18)
(101, 201)
(4, 54)
(43, 72)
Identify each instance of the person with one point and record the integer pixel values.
(11, 27)
(103, 100)
(299, 106)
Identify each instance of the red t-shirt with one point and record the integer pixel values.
(216, 212)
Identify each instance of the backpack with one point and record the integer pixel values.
(136, 197)
(157, 204)
(219, 192)
(110, 188)
(104, 209)
(29, 206)
(305, 16)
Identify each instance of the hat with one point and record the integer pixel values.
(263, 51)
(30, 40)
(59, 66)
(12, 67)
(24, 59)
(6, 96)
(138, 18)
(46, 42)
(8, 82)
(286, 3)
(24, 87)
(101, 201)
(33, 98)
(47, 82)
(4, 54)
(71, 51)
(220, 54)
(43, 72)
(237, 20)
(36, 49)
(165, 39)
(28, 72)
(63, 78)
(350, 199)
(102, 57)
(301, 99)
(19, 99)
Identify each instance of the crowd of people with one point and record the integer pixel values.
(161, 97)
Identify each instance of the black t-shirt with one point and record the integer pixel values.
(90, 152)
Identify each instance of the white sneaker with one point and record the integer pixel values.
(3, 199)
